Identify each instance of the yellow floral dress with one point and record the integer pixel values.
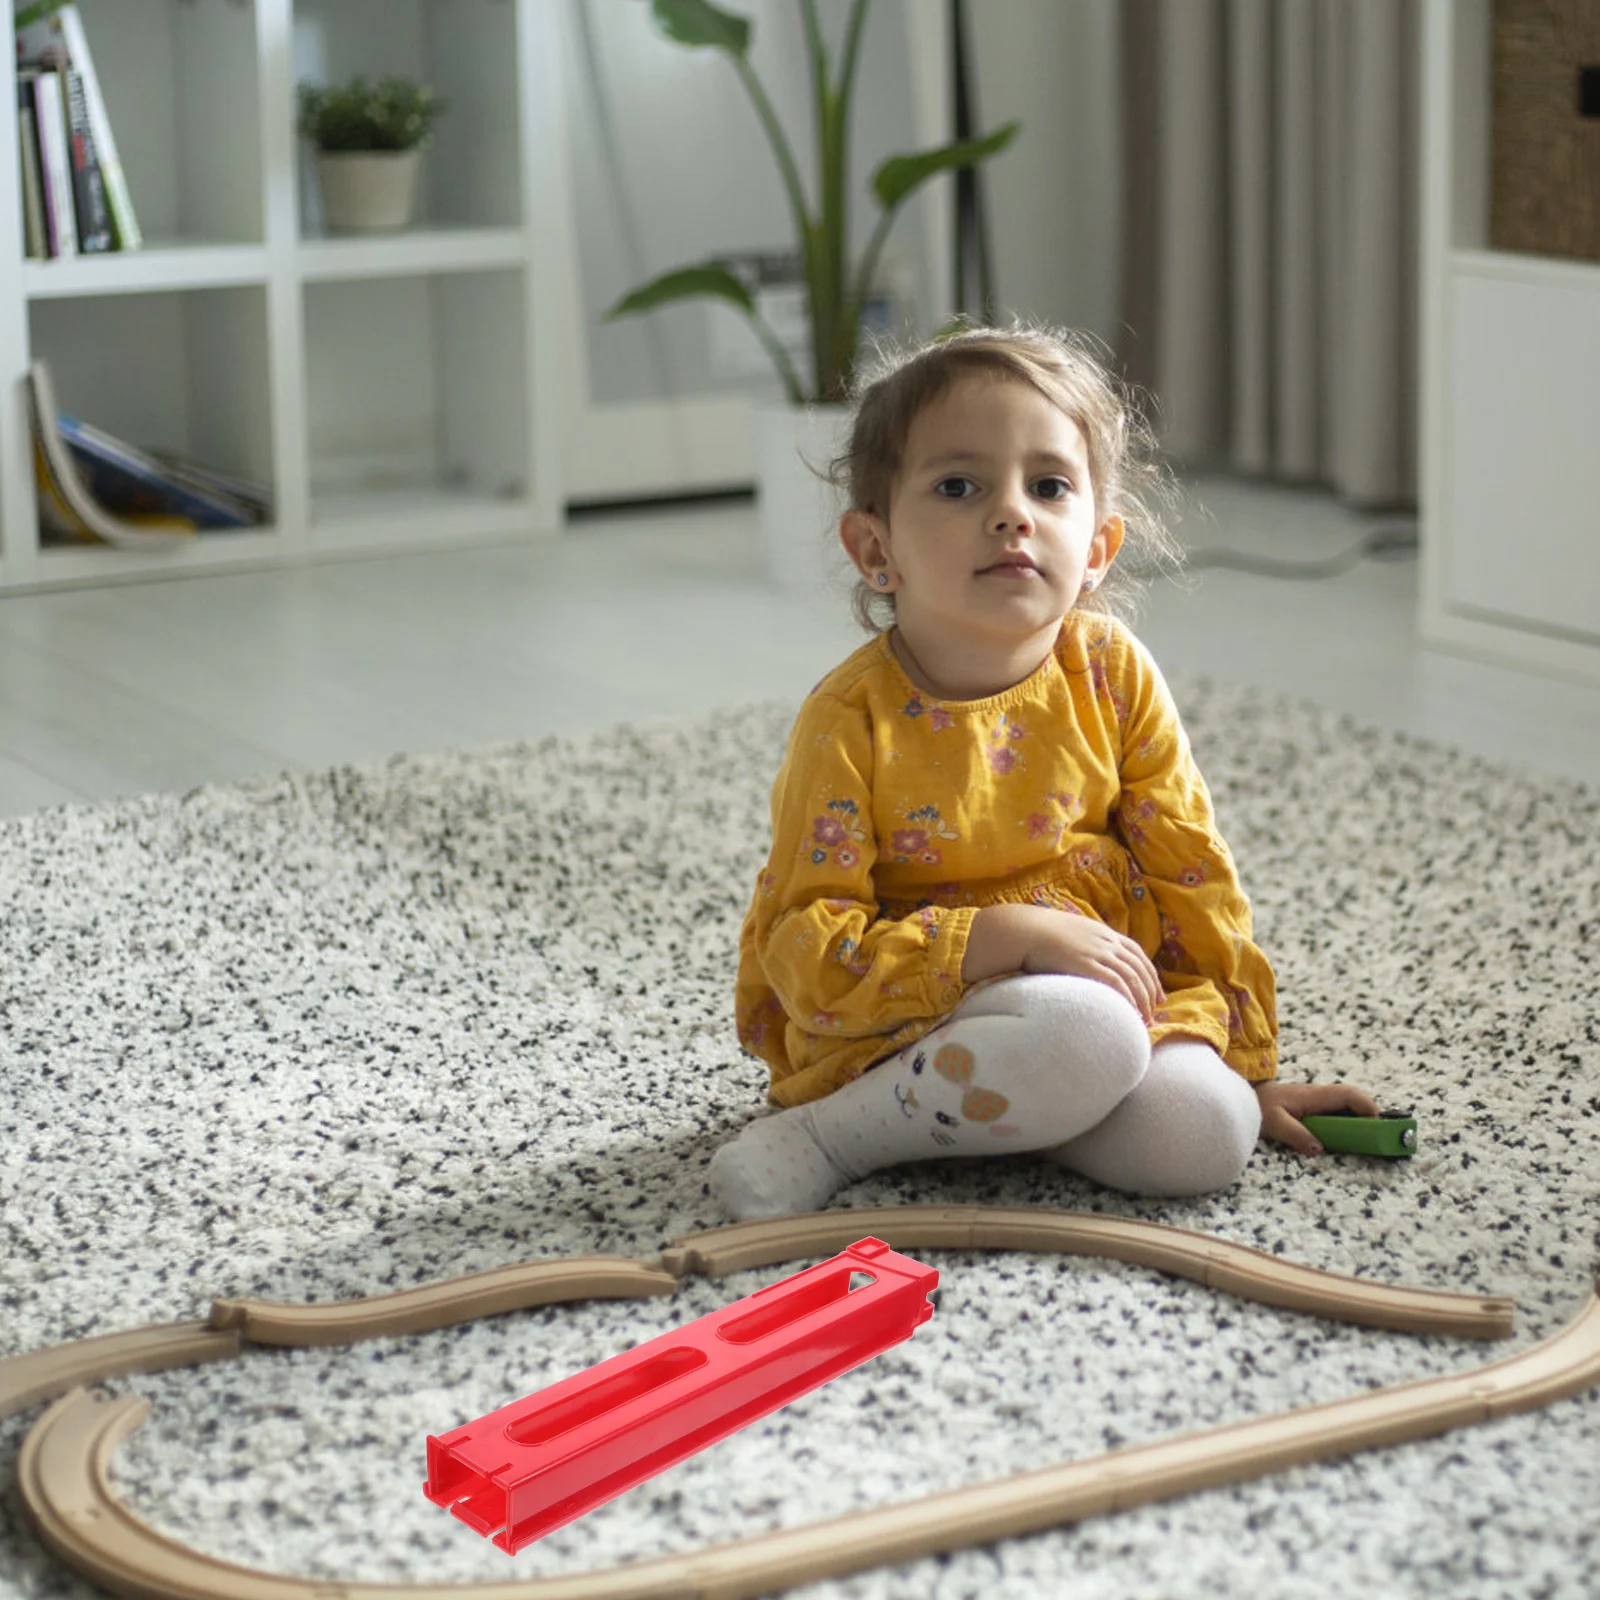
(896, 816)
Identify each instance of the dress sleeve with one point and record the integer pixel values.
(1165, 817)
(836, 965)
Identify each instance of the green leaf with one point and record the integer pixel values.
(698, 22)
(686, 283)
(36, 13)
(899, 175)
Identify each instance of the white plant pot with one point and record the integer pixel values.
(799, 509)
(364, 190)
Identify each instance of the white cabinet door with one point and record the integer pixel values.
(1523, 460)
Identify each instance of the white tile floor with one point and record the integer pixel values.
(162, 686)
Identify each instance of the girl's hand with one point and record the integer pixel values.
(1283, 1105)
(1042, 939)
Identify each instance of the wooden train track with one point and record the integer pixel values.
(66, 1461)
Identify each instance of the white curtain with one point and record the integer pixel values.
(1270, 235)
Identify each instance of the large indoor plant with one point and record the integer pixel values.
(793, 441)
(369, 137)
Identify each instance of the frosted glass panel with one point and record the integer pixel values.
(670, 164)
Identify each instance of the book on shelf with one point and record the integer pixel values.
(58, 43)
(55, 163)
(88, 185)
(36, 239)
(95, 486)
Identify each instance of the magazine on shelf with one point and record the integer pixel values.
(128, 481)
(59, 40)
(251, 497)
(66, 507)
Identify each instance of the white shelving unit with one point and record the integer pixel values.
(396, 391)
(1511, 396)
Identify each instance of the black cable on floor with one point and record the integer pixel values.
(1382, 543)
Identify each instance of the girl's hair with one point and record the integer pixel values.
(1126, 472)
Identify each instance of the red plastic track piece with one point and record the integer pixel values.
(535, 1465)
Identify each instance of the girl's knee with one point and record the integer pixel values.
(1188, 1129)
(1219, 1162)
(1092, 1018)
(1091, 1045)
(1221, 1122)
(1042, 1057)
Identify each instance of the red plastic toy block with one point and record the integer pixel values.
(535, 1465)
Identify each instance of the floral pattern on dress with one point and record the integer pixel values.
(1172, 954)
(1132, 820)
(1238, 998)
(766, 1023)
(938, 718)
(1100, 677)
(1004, 758)
(836, 835)
(1046, 825)
(919, 843)
(846, 953)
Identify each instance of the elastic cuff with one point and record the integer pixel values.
(1256, 1066)
(947, 954)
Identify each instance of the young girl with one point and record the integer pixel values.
(997, 915)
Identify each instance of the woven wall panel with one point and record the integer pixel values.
(1545, 189)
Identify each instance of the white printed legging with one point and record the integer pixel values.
(1054, 1064)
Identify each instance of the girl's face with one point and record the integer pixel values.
(992, 529)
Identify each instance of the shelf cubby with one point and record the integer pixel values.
(181, 372)
(467, 50)
(183, 95)
(416, 398)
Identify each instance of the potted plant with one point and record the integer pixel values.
(837, 283)
(369, 138)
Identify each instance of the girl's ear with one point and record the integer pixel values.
(866, 541)
(1103, 547)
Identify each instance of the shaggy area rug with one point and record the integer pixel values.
(352, 1031)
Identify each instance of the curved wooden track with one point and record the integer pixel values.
(1234, 1269)
(42, 1374)
(441, 1305)
(65, 1464)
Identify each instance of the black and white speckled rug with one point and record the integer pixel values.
(347, 1032)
